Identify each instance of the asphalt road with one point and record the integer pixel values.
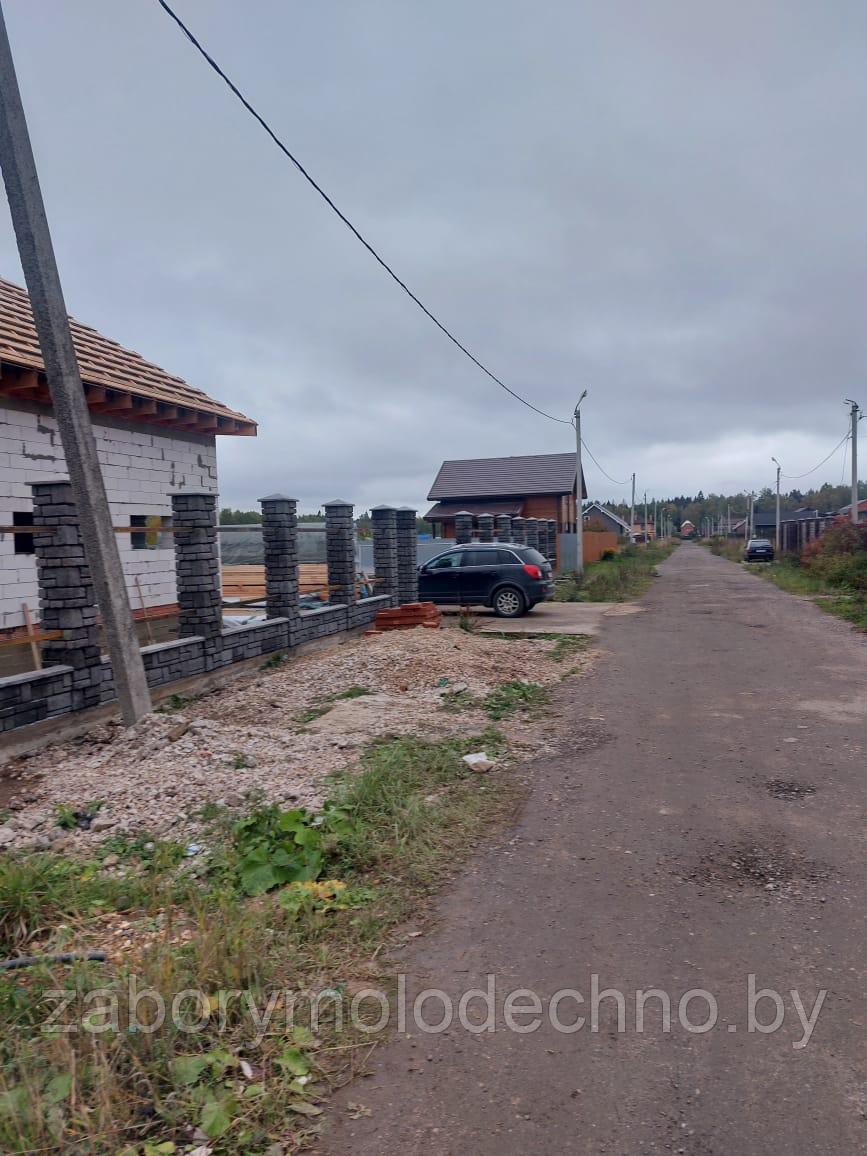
(705, 822)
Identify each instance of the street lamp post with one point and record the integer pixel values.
(579, 509)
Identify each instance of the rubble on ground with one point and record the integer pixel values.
(273, 736)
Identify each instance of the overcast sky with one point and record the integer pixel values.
(663, 202)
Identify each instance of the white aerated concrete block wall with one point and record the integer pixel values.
(141, 465)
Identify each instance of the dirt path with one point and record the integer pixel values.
(660, 858)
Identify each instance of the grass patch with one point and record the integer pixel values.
(350, 692)
(510, 697)
(455, 701)
(617, 579)
(392, 832)
(178, 702)
(568, 645)
(309, 715)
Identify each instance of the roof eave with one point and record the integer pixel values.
(29, 383)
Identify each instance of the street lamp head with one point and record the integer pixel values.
(580, 399)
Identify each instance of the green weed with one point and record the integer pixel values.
(510, 697)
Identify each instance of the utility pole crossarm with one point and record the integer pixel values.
(67, 393)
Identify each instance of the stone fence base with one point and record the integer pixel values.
(44, 694)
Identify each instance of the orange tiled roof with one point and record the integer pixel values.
(117, 381)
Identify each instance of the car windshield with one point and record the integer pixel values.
(529, 554)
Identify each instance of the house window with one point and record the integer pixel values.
(23, 542)
(147, 532)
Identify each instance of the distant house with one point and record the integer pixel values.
(595, 512)
(154, 434)
(535, 486)
(687, 529)
(845, 511)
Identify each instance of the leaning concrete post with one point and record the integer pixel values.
(66, 598)
(463, 528)
(519, 531)
(280, 539)
(486, 527)
(197, 563)
(407, 556)
(340, 546)
(504, 527)
(384, 519)
(531, 525)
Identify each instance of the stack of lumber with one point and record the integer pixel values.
(406, 617)
(248, 582)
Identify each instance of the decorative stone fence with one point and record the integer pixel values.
(78, 676)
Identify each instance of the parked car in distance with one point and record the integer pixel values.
(759, 550)
(510, 579)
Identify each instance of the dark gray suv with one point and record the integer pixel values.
(510, 579)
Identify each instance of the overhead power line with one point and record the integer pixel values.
(346, 221)
(607, 475)
(797, 477)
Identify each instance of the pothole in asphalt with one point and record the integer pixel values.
(765, 867)
(788, 790)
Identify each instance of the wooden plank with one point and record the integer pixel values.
(31, 637)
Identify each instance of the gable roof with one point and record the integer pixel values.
(117, 381)
(594, 505)
(505, 477)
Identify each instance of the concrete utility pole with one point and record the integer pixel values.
(645, 518)
(67, 393)
(632, 510)
(579, 504)
(777, 537)
(854, 414)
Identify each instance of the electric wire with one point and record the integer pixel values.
(797, 477)
(346, 221)
(604, 472)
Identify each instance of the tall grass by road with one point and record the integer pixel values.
(281, 901)
(618, 578)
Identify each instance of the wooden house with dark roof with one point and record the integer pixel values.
(531, 486)
(154, 432)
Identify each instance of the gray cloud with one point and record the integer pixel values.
(663, 202)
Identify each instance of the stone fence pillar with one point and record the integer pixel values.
(66, 599)
(463, 528)
(340, 546)
(486, 527)
(504, 528)
(280, 539)
(542, 531)
(519, 531)
(197, 563)
(384, 519)
(407, 556)
(531, 526)
(552, 541)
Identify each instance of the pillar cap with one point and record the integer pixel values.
(337, 502)
(411, 509)
(463, 513)
(373, 509)
(277, 498)
(193, 494)
(57, 480)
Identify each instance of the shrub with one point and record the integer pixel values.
(839, 557)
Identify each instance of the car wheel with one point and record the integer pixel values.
(509, 603)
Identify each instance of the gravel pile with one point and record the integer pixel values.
(257, 737)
